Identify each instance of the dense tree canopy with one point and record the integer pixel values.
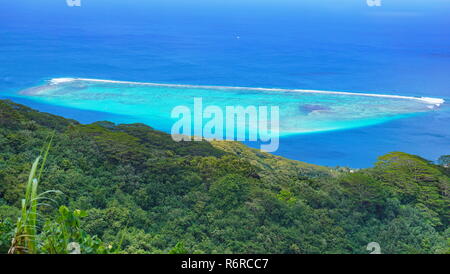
(135, 187)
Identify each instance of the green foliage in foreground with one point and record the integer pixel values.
(63, 235)
(137, 190)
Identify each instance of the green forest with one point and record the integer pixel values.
(129, 188)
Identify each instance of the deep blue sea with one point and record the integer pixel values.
(401, 47)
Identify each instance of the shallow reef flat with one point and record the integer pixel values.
(301, 111)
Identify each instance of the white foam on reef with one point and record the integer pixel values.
(428, 100)
(56, 81)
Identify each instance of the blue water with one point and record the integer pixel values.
(402, 47)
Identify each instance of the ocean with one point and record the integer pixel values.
(400, 48)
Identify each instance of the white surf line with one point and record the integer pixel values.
(428, 100)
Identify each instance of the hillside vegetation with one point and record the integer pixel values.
(132, 188)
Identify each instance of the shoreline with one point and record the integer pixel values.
(429, 100)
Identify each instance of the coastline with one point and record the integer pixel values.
(308, 143)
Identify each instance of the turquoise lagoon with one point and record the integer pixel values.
(301, 111)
